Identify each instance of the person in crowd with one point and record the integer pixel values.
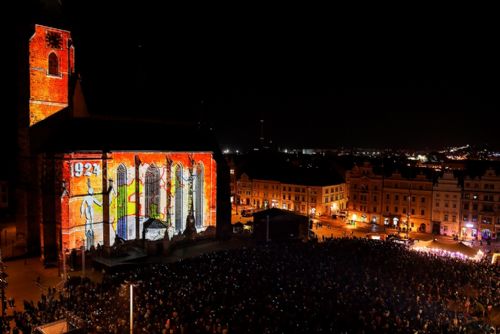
(345, 285)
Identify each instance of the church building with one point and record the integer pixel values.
(87, 179)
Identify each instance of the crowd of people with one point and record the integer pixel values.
(344, 285)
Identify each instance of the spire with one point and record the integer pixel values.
(79, 107)
(261, 138)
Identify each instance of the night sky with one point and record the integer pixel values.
(317, 82)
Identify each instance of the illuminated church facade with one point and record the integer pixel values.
(86, 180)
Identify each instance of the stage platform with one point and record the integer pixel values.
(131, 256)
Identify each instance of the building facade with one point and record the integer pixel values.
(365, 190)
(407, 202)
(266, 194)
(244, 190)
(86, 180)
(109, 195)
(392, 201)
(334, 199)
(51, 64)
(481, 206)
(446, 203)
(471, 210)
(318, 200)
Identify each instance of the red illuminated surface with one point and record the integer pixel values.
(49, 92)
(82, 208)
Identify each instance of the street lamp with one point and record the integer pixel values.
(131, 308)
(307, 214)
(333, 208)
(408, 226)
(408, 214)
(131, 315)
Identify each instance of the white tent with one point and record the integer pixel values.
(56, 327)
(451, 248)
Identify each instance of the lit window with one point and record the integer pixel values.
(198, 195)
(152, 190)
(178, 196)
(122, 202)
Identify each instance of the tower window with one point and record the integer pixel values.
(53, 64)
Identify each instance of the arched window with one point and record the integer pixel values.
(53, 64)
(198, 195)
(152, 185)
(122, 202)
(178, 198)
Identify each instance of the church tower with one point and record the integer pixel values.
(46, 63)
(51, 63)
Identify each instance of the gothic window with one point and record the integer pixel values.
(198, 195)
(122, 202)
(152, 191)
(178, 198)
(53, 64)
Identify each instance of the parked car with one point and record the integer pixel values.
(246, 213)
(400, 240)
(376, 236)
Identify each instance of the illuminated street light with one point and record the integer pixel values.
(131, 315)
(408, 214)
(334, 208)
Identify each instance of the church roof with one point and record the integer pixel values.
(153, 223)
(63, 134)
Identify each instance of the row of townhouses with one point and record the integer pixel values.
(323, 197)
(447, 206)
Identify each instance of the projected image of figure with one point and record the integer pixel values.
(87, 208)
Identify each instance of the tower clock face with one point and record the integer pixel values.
(53, 40)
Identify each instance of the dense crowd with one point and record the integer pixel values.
(342, 286)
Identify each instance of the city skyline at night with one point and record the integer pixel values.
(240, 170)
(311, 91)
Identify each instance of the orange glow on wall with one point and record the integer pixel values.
(49, 80)
(140, 186)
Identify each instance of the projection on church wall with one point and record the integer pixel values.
(85, 203)
(150, 193)
(51, 59)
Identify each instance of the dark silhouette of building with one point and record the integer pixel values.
(279, 225)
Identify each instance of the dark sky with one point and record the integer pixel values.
(316, 80)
